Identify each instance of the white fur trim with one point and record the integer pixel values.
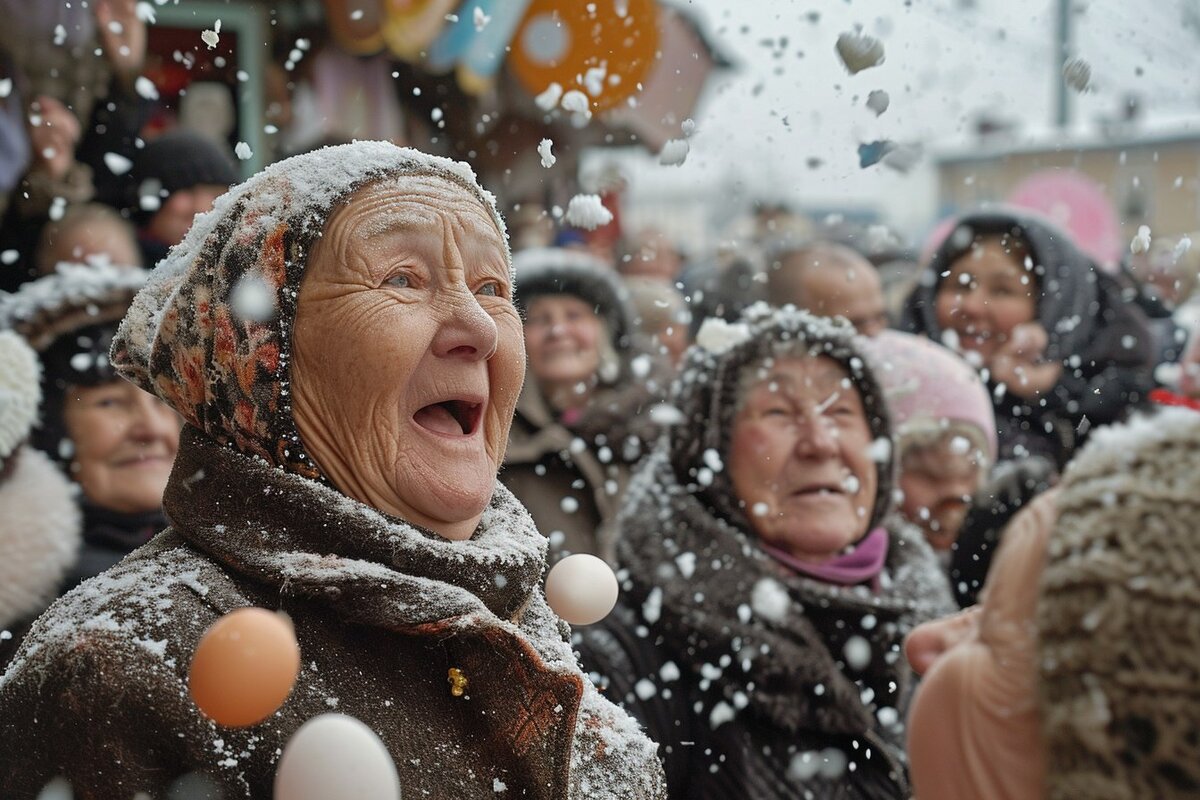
(39, 536)
(20, 390)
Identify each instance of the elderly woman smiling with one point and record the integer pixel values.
(773, 578)
(339, 336)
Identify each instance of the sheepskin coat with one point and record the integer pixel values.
(382, 611)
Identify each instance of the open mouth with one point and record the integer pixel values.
(457, 417)
(819, 490)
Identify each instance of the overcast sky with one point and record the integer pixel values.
(947, 61)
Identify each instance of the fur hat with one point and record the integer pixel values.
(1119, 616)
(558, 270)
(20, 392)
(70, 317)
(707, 394)
(211, 332)
(172, 162)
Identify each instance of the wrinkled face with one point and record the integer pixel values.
(800, 458)
(974, 729)
(174, 217)
(987, 293)
(937, 482)
(125, 441)
(407, 353)
(853, 292)
(562, 339)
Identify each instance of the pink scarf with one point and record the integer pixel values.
(859, 565)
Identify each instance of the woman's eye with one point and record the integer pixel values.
(772, 411)
(399, 281)
(490, 289)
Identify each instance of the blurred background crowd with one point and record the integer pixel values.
(1000, 337)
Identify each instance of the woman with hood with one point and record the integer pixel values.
(339, 335)
(770, 583)
(583, 419)
(1061, 351)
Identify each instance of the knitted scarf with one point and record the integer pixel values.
(711, 591)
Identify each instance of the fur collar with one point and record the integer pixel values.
(39, 535)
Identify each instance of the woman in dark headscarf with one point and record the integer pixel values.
(1061, 350)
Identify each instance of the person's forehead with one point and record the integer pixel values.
(798, 372)
(416, 202)
(552, 302)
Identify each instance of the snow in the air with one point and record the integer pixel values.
(588, 212)
(859, 51)
(674, 152)
(548, 158)
(212, 37)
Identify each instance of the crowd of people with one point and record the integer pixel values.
(871, 542)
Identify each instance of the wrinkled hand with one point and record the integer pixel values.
(122, 36)
(53, 133)
(1018, 363)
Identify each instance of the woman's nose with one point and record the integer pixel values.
(152, 419)
(817, 437)
(972, 303)
(466, 330)
(927, 642)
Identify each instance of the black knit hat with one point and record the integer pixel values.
(706, 393)
(176, 160)
(555, 270)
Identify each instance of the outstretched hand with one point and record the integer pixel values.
(122, 36)
(1018, 363)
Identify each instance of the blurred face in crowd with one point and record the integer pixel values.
(987, 293)
(837, 282)
(125, 441)
(96, 241)
(974, 729)
(563, 337)
(654, 257)
(407, 355)
(800, 458)
(937, 481)
(174, 217)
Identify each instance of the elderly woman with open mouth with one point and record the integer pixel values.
(770, 582)
(340, 338)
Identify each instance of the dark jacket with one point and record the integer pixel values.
(1103, 342)
(755, 681)
(109, 536)
(572, 478)
(382, 611)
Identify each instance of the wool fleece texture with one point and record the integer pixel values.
(383, 611)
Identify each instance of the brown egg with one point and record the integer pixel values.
(244, 667)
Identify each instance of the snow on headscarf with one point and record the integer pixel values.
(210, 333)
(1067, 292)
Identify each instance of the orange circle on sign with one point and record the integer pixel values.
(558, 43)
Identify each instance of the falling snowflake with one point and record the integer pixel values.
(145, 88)
(5, 87)
(878, 101)
(577, 102)
(117, 164)
(481, 19)
(548, 99)
(674, 152)
(1078, 74)
(548, 158)
(859, 51)
(587, 211)
(243, 151)
(1141, 242)
(212, 38)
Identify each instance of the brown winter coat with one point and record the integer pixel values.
(382, 610)
(572, 480)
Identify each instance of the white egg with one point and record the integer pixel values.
(581, 589)
(336, 757)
